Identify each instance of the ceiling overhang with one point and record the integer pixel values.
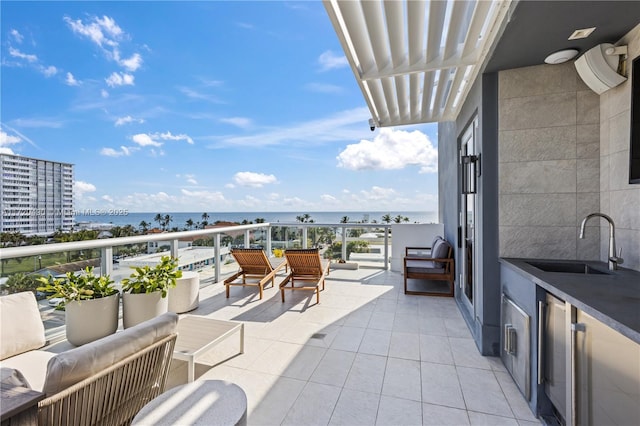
(415, 60)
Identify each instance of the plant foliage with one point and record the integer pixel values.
(146, 279)
(20, 281)
(81, 286)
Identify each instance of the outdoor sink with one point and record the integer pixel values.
(567, 267)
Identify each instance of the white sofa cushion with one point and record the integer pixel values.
(75, 365)
(32, 365)
(21, 326)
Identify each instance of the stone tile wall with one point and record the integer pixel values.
(618, 198)
(549, 163)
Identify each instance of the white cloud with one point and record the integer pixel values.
(377, 193)
(391, 149)
(329, 60)
(101, 31)
(48, 71)
(80, 188)
(203, 197)
(5, 150)
(107, 198)
(344, 125)
(241, 122)
(131, 64)
(18, 54)
(168, 136)
(329, 199)
(255, 180)
(110, 152)
(120, 79)
(7, 139)
(194, 94)
(71, 80)
(128, 119)
(104, 93)
(17, 37)
(324, 88)
(17, 133)
(191, 179)
(143, 139)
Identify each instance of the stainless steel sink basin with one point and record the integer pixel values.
(567, 267)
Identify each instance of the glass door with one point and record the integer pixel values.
(467, 225)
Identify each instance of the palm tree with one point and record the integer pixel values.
(189, 223)
(167, 220)
(259, 220)
(400, 218)
(304, 218)
(158, 218)
(386, 218)
(205, 219)
(144, 226)
(345, 219)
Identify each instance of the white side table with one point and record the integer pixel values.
(197, 335)
(203, 402)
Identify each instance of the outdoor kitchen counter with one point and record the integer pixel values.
(613, 298)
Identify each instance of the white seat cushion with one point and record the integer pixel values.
(32, 365)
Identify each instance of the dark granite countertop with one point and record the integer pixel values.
(613, 298)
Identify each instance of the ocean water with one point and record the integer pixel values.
(123, 217)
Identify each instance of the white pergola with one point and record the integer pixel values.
(414, 60)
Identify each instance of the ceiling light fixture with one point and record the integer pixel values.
(561, 56)
(582, 33)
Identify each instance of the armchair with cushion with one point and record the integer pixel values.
(103, 382)
(433, 264)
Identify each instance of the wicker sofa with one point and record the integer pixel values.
(103, 382)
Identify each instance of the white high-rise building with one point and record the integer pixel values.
(36, 196)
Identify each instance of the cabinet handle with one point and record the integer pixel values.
(575, 328)
(541, 343)
(510, 336)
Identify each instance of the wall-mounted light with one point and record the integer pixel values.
(471, 170)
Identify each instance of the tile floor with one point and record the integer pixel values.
(366, 355)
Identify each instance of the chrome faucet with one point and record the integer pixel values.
(614, 260)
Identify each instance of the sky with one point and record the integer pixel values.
(203, 106)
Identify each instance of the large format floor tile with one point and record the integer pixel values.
(366, 355)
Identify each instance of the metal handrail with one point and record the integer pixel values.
(106, 245)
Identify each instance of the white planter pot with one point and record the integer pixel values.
(137, 308)
(90, 320)
(184, 297)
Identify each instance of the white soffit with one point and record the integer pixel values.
(415, 60)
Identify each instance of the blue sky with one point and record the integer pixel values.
(203, 106)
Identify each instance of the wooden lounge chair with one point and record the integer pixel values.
(254, 264)
(307, 266)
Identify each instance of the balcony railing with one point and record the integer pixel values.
(108, 253)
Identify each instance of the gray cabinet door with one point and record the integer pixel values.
(516, 344)
(607, 375)
(555, 346)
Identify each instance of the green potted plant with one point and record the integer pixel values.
(90, 303)
(144, 293)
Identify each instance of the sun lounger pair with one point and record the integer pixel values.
(303, 265)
